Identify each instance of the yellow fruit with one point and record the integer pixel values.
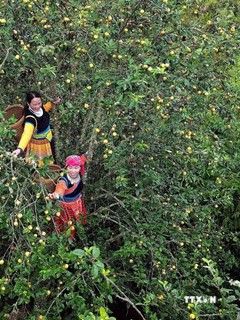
(192, 316)
(1, 262)
(19, 216)
(15, 223)
(27, 254)
(17, 57)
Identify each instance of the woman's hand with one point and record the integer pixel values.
(16, 152)
(53, 196)
(57, 100)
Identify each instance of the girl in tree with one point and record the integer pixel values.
(37, 135)
(69, 192)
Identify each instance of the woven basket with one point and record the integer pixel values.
(16, 111)
(50, 183)
(18, 126)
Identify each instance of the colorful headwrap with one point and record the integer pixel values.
(75, 161)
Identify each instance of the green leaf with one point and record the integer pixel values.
(95, 252)
(103, 313)
(79, 252)
(94, 271)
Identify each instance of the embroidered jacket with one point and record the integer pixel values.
(36, 127)
(67, 190)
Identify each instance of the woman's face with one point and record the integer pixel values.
(73, 171)
(35, 104)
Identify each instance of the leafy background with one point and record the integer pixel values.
(151, 89)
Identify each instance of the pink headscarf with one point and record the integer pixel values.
(75, 161)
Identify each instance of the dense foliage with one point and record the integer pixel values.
(150, 88)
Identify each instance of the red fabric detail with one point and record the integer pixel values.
(75, 212)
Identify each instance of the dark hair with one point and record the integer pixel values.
(29, 96)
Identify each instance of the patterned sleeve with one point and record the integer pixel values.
(61, 187)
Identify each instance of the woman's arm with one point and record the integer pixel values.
(59, 190)
(25, 138)
(48, 106)
(84, 157)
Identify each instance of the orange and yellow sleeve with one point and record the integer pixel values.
(84, 158)
(60, 188)
(26, 136)
(48, 106)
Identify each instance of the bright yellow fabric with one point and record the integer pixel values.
(26, 136)
(49, 135)
(48, 106)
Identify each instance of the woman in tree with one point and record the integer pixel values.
(37, 135)
(69, 192)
